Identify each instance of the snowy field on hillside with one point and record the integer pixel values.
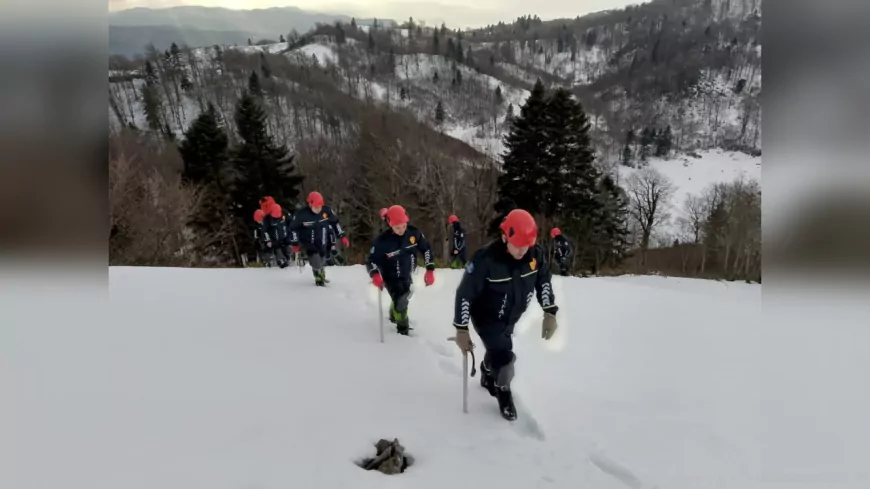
(691, 176)
(257, 379)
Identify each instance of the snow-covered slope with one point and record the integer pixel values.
(257, 379)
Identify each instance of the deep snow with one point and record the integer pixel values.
(257, 379)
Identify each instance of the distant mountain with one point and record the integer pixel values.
(131, 40)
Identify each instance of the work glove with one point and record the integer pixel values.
(548, 328)
(462, 340)
(345, 242)
(377, 280)
(429, 277)
(295, 248)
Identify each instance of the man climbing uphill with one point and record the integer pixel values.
(457, 246)
(310, 230)
(495, 290)
(390, 263)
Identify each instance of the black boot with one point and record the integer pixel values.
(486, 379)
(506, 404)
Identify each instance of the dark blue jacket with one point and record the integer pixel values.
(562, 247)
(311, 230)
(458, 242)
(496, 288)
(393, 256)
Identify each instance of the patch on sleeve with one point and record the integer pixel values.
(469, 269)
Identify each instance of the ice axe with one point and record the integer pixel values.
(381, 311)
(465, 373)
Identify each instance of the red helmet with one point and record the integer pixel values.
(266, 203)
(383, 212)
(259, 215)
(555, 232)
(396, 215)
(275, 211)
(452, 219)
(315, 199)
(520, 228)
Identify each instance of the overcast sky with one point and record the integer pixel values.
(455, 12)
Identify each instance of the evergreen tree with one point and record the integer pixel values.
(646, 140)
(264, 66)
(205, 150)
(371, 41)
(403, 93)
(664, 143)
(254, 85)
(439, 113)
(436, 48)
(458, 78)
(460, 53)
(340, 36)
(249, 42)
(353, 23)
(499, 98)
(520, 185)
(281, 38)
(435, 78)
(509, 115)
(571, 178)
(261, 166)
(151, 102)
(451, 48)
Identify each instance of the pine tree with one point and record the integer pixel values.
(519, 186)
(281, 38)
(439, 113)
(264, 66)
(340, 36)
(451, 48)
(151, 101)
(254, 85)
(499, 98)
(646, 140)
(371, 41)
(205, 150)
(263, 168)
(436, 48)
(664, 143)
(435, 78)
(460, 53)
(458, 77)
(353, 23)
(249, 42)
(571, 177)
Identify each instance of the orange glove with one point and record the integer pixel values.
(429, 278)
(345, 242)
(377, 280)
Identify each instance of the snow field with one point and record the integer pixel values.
(256, 378)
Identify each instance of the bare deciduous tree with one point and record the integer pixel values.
(649, 193)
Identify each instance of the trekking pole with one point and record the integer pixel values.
(381, 311)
